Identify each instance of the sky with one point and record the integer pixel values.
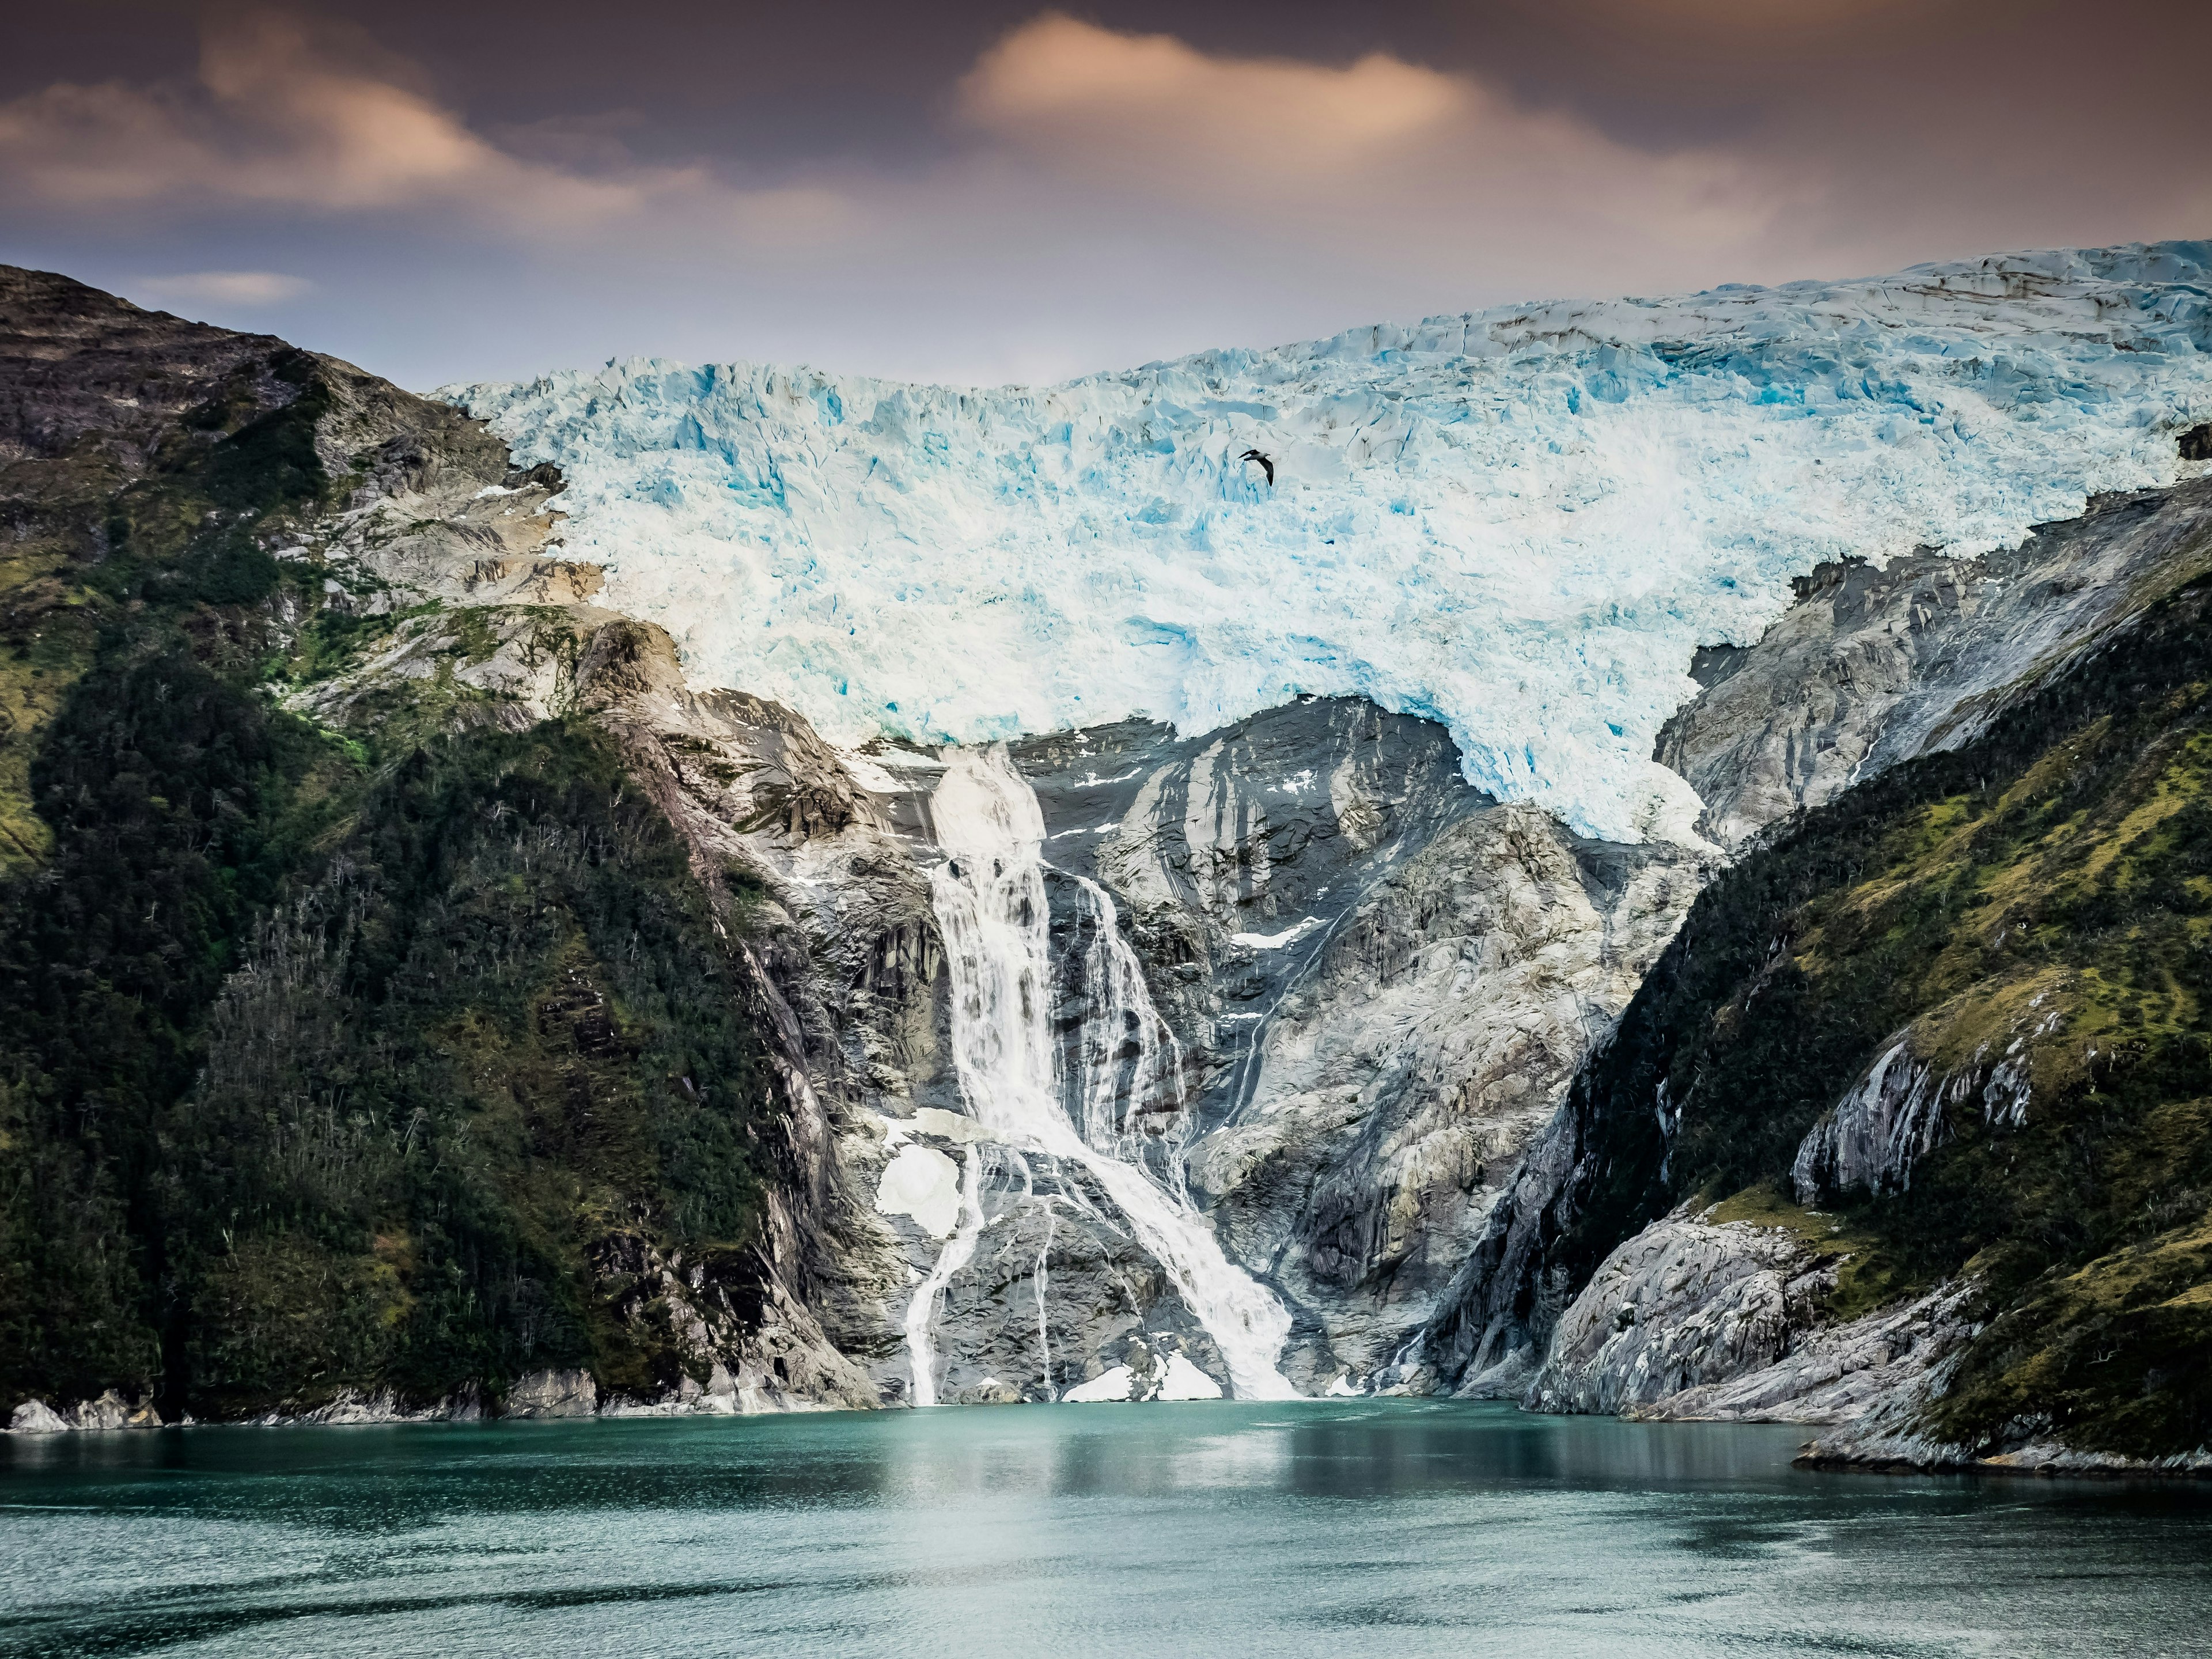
(981, 191)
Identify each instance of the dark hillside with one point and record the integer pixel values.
(322, 1067)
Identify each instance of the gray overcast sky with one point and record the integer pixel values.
(987, 191)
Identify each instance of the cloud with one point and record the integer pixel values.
(244, 287)
(1149, 101)
(281, 115)
(1094, 198)
(1378, 138)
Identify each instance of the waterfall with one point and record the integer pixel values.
(1126, 1052)
(958, 1251)
(989, 898)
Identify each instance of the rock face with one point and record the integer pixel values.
(553, 1393)
(1681, 1306)
(1873, 667)
(1695, 1320)
(1841, 1373)
(1382, 980)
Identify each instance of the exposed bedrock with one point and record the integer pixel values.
(1698, 1318)
(1872, 666)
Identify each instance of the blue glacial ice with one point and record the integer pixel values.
(1519, 521)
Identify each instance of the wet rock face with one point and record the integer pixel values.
(1395, 1087)
(1055, 1295)
(1680, 1305)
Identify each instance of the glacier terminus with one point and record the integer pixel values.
(1520, 522)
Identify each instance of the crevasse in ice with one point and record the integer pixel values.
(1519, 521)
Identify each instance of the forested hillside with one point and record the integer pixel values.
(411, 1059)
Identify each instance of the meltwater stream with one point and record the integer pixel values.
(989, 896)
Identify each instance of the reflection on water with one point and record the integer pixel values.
(1338, 1529)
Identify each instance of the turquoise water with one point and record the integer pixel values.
(1338, 1529)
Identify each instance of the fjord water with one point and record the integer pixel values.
(1336, 1527)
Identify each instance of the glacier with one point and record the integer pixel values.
(1521, 521)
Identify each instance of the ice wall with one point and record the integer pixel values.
(1521, 521)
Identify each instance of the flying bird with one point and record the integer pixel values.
(1265, 462)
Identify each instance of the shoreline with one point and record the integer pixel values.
(2044, 1460)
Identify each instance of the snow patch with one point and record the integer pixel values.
(1106, 1387)
(1184, 1381)
(922, 1182)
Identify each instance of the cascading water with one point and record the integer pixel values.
(989, 898)
(958, 1251)
(1127, 1063)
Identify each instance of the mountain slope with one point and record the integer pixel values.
(422, 997)
(1959, 1008)
(411, 1060)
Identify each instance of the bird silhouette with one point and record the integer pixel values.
(1265, 462)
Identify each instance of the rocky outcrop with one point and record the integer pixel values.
(363, 1408)
(552, 1394)
(1681, 1306)
(1888, 1121)
(1695, 1319)
(109, 1411)
(1891, 1438)
(1875, 664)
(1837, 1373)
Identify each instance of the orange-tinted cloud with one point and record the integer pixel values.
(223, 287)
(278, 117)
(1131, 100)
(1156, 117)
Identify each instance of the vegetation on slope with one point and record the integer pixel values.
(322, 1066)
(2042, 898)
